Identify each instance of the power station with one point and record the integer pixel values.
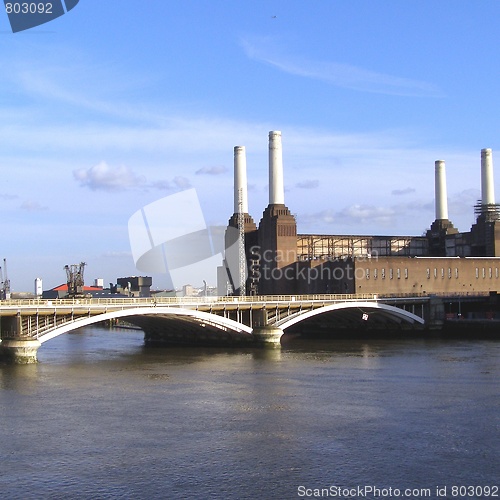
(282, 262)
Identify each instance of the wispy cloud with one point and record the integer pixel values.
(178, 182)
(103, 177)
(182, 182)
(307, 184)
(116, 255)
(462, 203)
(366, 215)
(215, 170)
(8, 197)
(67, 77)
(342, 75)
(401, 192)
(351, 216)
(33, 206)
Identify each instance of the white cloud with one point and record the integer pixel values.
(182, 182)
(361, 214)
(33, 206)
(308, 184)
(401, 192)
(462, 203)
(351, 216)
(163, 185)
(215, 170)
(8, 197)
(107, 178)
(367, 216)
(103, 177)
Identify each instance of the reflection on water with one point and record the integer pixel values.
(101, 416)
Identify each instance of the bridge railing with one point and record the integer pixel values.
(152, 301)
(142, 301)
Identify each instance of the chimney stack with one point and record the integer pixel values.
(487, 184)
(441, 191)
(276, 184)
(442, 226)
(240, 180)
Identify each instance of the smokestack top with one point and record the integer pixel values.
(276, 183)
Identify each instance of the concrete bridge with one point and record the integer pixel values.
(27, 324)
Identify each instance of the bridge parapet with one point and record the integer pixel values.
(186, 301)
(141, 301)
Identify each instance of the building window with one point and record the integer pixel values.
(375, 274)
(435, 272)
(390, 273)
(442, 272)
(449, 273)
(456, 272)
(406, 273)
(490, 273)
(382, 273)
(496, 272)
(398, 273)
(428, 273)
(477, 272)
(367, 274)
(484, 273)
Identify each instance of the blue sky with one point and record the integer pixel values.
(119, 103)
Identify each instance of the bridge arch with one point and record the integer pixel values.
(190, 316)
(388, 310)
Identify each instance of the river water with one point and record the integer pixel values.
(101, 416)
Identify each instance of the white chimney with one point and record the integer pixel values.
(38, 287)
(487, 184)
(240, 180)
(276, 185)
(441, 191)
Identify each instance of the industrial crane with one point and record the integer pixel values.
(74, 274)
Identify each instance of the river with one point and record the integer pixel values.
(101, 416)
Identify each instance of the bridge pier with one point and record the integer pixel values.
(16, 346)
(19, 350)
(269, 336)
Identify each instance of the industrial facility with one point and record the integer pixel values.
(131, 286)
(278, 261)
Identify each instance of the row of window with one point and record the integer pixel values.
(391, 273)
(487, 272)
(441, 273)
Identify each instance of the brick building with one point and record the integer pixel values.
(282, 262)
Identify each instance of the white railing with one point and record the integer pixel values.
(126, 302)
(151, 301)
